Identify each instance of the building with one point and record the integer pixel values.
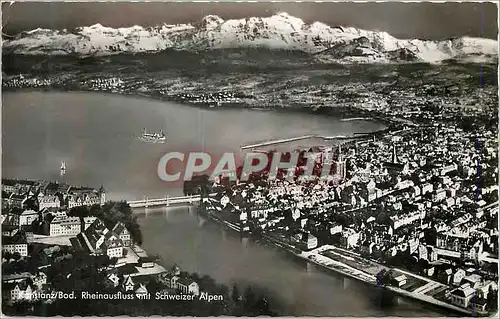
(112, 246)
(91, 199)
(479, 304)
(458, 276)
(17, 201)
(27, 217)
(474, 281)
(141, 290)
(9, 186)
(341, 165)
(55, 188)
(85, 196)
(169, 279)
(188, 286)
(113, 279)
(335, 229)
(349, 238)
(74, 201)
(172, 282)
(9, 230)
(49, 201)
(11, 218)
(128, 284)
(427, 188)
(97, 240)
(39, 280)
(87, 221)
(306, 241)
(18, 291)
(448, 169)
(439, 195)
(394, 167)
(399, 281)
(146, 262)
(102, 195)
(64, 226)
(122, 233)
(258, 211)
(462, 296)
(406, 219)
(15, 244)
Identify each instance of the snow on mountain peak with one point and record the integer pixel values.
(284, 14)
(286, 19)
(212, 21)
(96, 26)
(279, 31)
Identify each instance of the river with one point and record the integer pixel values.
(94, 134)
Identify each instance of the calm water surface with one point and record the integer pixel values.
(94, 134)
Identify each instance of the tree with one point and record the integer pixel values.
(249, 298)
(16, 255)
(7, 255)
(114, 260)
(235, 294)
(113, 212)
(492, 299)
(262, 307)
(79, 211)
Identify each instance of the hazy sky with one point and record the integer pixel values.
(403, 20)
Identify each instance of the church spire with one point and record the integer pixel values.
(63, 169)
(394, 155)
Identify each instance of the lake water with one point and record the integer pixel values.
(94, 134)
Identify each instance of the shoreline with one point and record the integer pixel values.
(343, 113)
(350, 272)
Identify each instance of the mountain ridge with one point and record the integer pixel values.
(281, 31)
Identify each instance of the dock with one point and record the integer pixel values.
(281, 141)
(325, 140)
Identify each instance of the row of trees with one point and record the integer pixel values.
(8, 255)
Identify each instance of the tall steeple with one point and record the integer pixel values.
(394, 155)
(340, 165)
(102, 194)
(63, 169)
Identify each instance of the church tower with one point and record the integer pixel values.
(102, 194)
(340, 165)
(394, 154)
(63, 169)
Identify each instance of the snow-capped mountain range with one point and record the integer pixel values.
(281, 31)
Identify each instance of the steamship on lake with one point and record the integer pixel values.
(153, 137)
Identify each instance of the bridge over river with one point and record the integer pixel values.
(167, 201)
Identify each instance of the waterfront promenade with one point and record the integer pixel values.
(319, 139)
(355, 266)
(280, 141)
